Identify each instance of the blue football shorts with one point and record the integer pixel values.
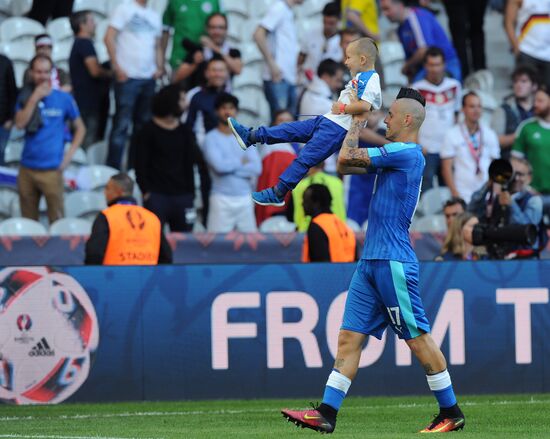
(383, 293)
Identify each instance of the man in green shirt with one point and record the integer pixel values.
(187, 18)
(533, 143)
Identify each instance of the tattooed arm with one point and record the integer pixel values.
(352, 159)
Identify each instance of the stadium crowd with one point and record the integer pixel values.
(148, 89)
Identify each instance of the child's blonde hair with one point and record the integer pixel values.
(368, 47)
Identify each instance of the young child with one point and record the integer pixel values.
(323, 135)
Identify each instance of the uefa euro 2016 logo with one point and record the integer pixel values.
(48, 335)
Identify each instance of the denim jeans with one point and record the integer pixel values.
(280, 96)
(321, 136)
(4, 137)
(432, 169)
(133, 106)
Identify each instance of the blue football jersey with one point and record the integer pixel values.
(399, 167)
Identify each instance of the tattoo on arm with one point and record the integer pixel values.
(428, 369)
(352, 138)
(339, 363)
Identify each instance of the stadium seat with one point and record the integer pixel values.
(84, 204)
(277, 223)
(237, 28)
(258, 8)
(13, 152)
(20, 28)
(61, 53)
(482, 80)
(429, 224)
(22, 227)
(97, 153)
(20, 7)
(6, 201)
(353, 225)
(71, 226)
(94, 177)
(249, 77)
(249, 99)
(5, 8)
(98, 7)
(100, 30)
(19, 50)
(60, 30)
(432, 201)
(391, 52)
(250, 54)
(393, 75)
(79, 157)
(236, 7)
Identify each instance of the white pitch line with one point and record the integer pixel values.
(40, 436)
(238, 412)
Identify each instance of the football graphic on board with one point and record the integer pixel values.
(48, 335)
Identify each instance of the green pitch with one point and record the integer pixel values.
(497, 416)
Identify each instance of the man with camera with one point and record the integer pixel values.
(509, 210)
(213, 44)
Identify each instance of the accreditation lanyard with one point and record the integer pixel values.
(475, 146)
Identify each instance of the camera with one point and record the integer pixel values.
(499, 237)
(191, 48)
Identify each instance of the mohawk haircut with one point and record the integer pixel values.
(411, 93)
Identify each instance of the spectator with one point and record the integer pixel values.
(320, 93)
(133, 43)
(43, 45)
(458, 244)
(166, 155)
(467, 151)
(522, 205)
(532, 142)
(232, 171)
(316, 175)
(328, 238)
(452, 208)
(187, 20)
(418, 30)
(88, 76)
(42, 10)
(8, 95)
(213, 44)
(320, 44)
(275, 159)
(125, 233)
(361, 15)
(528, 29)
(466, 26)
(442, 96)
(319, 96)
(277, 39)
(202, 116)
(516, 108)
(42, 112)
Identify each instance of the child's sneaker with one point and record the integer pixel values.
(241, 133)
(268, 197)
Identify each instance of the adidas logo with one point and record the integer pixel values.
(42, 349)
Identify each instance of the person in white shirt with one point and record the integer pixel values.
(320, 43)
(467, 151)
(133, 43)
(277, 39)
(442, 96)
(233, 172)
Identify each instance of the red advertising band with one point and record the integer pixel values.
(475, 152)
